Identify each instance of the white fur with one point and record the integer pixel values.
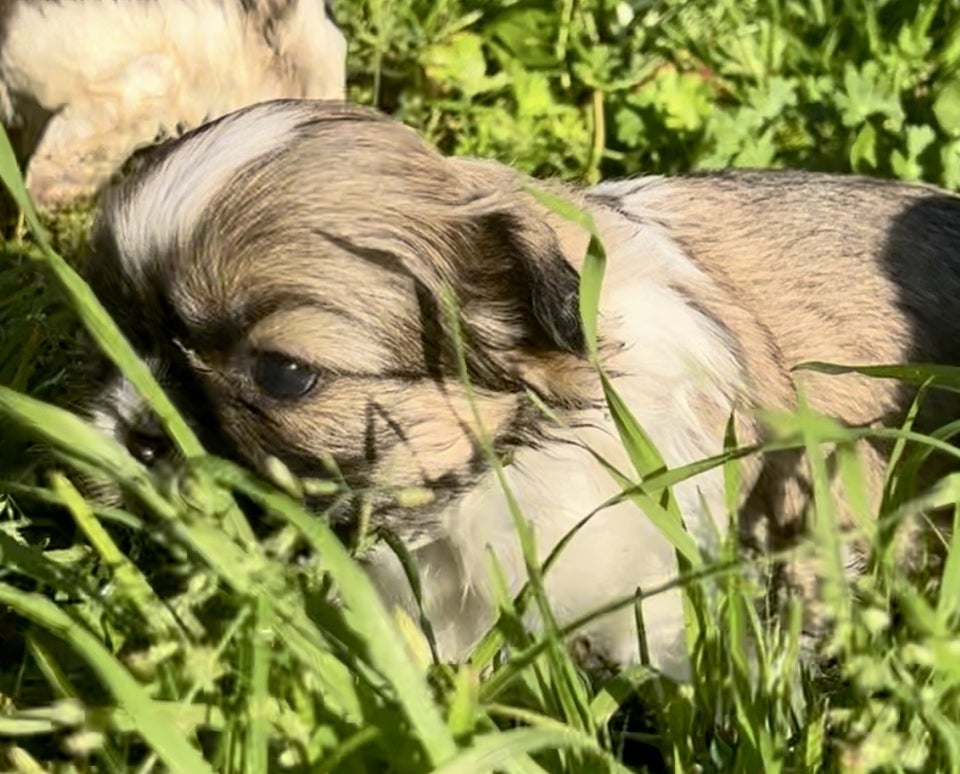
(120, 407)
(311, 40)
(121, 410)
(164, 210)
(111, 74)
(673, 354)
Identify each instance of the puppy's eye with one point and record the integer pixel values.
(281, 377)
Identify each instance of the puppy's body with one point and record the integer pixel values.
(84, 83)
(326, 236)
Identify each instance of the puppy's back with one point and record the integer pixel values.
(842, 269)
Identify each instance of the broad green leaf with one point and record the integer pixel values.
(460, 64)
(946, 107)
(863, 152)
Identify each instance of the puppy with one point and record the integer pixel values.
(283, 271)
(84, 83)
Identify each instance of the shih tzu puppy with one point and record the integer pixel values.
(85, 83)
(284, 270)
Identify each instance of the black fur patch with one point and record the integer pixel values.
(555, 300)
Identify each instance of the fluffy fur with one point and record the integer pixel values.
(84, 83)
(330, 240)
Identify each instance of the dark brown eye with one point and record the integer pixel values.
(281, 377)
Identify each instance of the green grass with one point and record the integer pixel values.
(175, 639)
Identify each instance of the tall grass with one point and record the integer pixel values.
(175, 638)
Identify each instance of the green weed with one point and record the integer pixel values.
(250, 661)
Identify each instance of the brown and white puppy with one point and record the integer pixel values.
(283, 271)
(84, 83)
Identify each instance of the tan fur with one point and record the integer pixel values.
(338, 247)
(86, 83)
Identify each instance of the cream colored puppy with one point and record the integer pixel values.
(84, 83)
(283, 271)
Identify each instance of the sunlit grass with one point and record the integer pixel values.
(175, 638)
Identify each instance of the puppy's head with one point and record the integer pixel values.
(286, 271)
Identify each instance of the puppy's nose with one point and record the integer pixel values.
(147, 444)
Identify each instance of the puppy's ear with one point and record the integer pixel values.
(538, 276)
(469, 227)
(514, 278)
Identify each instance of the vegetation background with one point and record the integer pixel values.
(599, 88)
(246, 665)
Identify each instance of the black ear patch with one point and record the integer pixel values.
(544, 282)
(555, 299)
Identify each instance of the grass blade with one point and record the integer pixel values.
(362, 608)
(104, 331)
(169, 744)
